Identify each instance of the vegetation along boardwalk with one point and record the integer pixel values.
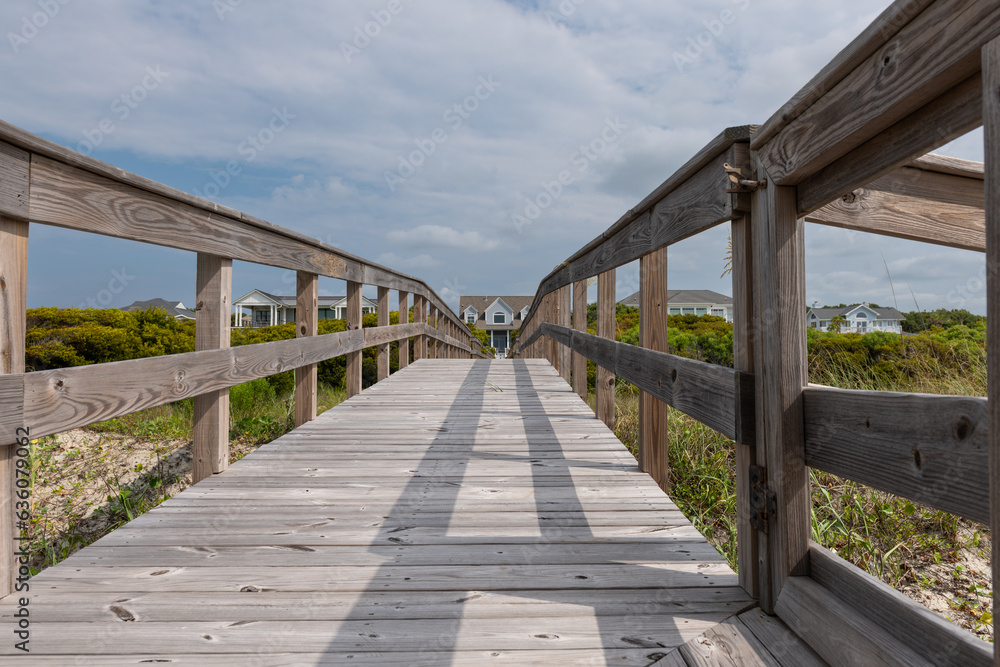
(472, 514)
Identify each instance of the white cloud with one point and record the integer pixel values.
(439, 235)
(416, 263)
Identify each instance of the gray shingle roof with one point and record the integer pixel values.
(681, 296)
(830, 313)
(481, 303)
(291, 300)
(162, 304)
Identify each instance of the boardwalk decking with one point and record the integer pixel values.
(461, 512)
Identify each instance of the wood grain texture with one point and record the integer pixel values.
(67, 398)
(784, 646)
(838, 632)
(728, 643)
(11, 406)
(991, 130)
(931, 449)
(703, 391)
(383, 321)
(15, 165)
(353, 370)
(419, 317)
(915, 204)
(743, 360)
(935, 639)
(780, 372)
(210, 429)
(306, 325)
(606, 329)
(700, 162)
(563, 319)
(13, 303)
(405, 346)
(928, 56)
(653, 413)
(580, 324)
(951, 115)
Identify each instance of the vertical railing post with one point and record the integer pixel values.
(383, 321)
(565, 304)
(306, 324)
(210, 436)
(353, 377)
(991, 123)
(433, 343)
(653, 413)
(580, 324)
(419, 317)
(404, 318)
(550, 312)
(606, 329)
(780, 364)
(743, 360)
(13, 325)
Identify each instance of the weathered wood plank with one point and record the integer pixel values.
(13, 326)
(780, 374)
(839, 633)
(383, 321)
(67, 398)
(419, 317)
(210, 429)
(931, 449)
(580, 324)
(404, 318)
(939, 47)
(703, 391)
(788, 649)
(991, 123)
(953, 114)
(306, 325)
(914, 204)
(743, 361)
(606, 329)
(729, 643)
(936, 640)
(653, 414)
(15, 165)
(353, 312)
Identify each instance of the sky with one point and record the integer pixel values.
(417, 134)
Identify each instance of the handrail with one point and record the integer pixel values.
(849, 150)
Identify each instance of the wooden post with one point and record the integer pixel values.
(306, 324)
(383, 321)
(404, 318)
(606, 329)
(550, 316)
(432, 343)
(565, 356)
(210, 436)
(653, 413)
(580, 324)
(353, 379)
(991, 124)
(419, 316)
(13, 326)
(780, 350)
(743, 360)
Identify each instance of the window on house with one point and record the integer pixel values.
(499, 318)
(719, 312)
(675, 311)
(688, 311)
(862, 316)
(701, 311)
(470, 318)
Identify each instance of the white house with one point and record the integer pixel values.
(497, 315)
(692, 302)
(858, 318)
(260, 309)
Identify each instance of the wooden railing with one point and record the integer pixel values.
(849, 150)
(44, 183)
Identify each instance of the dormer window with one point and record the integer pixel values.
(862, 316)
(499, 318)
(470, 316)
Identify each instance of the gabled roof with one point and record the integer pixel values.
(481, 303)
(173, 308)
(830, 313)
(291, 301)
(679, 297)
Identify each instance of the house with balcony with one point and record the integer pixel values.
(692, 302)
(857, 318)
(497, 315)
(260, 309)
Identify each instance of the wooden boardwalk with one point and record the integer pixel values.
(461, 512)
